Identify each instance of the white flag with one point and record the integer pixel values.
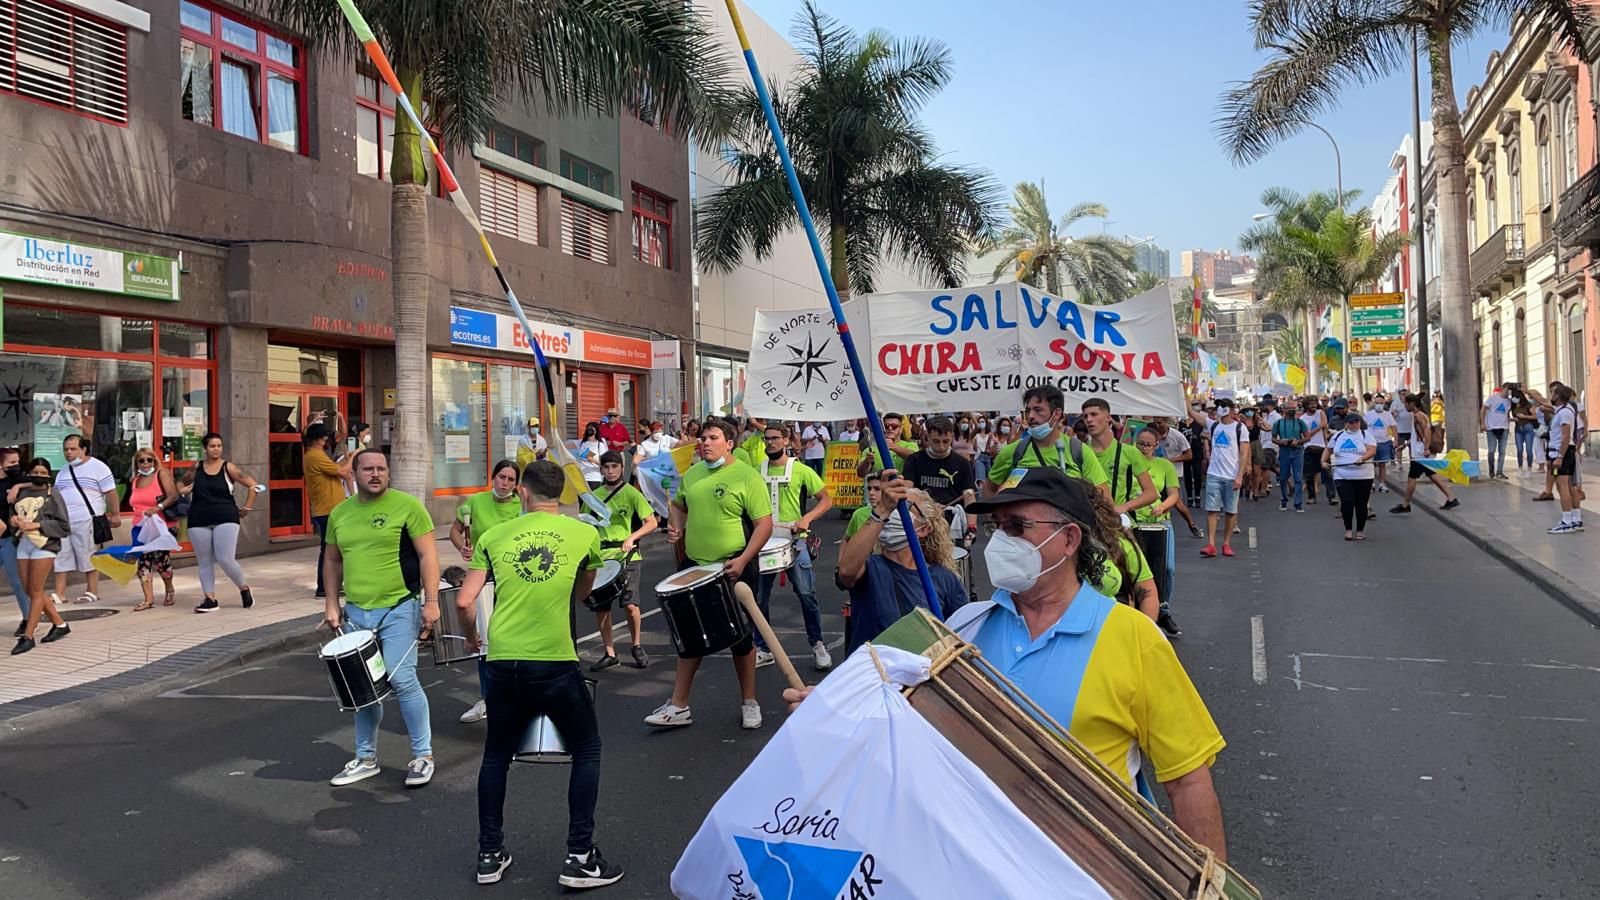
(798, 368)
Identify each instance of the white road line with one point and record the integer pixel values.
(1258, 644)
(1296, 678)
(618, 624)
(1252, 537)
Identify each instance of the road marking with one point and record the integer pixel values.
(1553, 665)
(1252, 537)
(616, 625)
(1296, 678)
(224, 878)
(1258, 644)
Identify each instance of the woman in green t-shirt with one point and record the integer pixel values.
(1127, 576)
(474, 518)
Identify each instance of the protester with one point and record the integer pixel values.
(40, 524)
(1563, 458)
(1337, 410)
(384, 540)
(590, 447)
(788, 484)
(877, 567)
(814, 445)
(531, 445)
(851, 431)
(613, 431)
(1316, 441)
(874, 489)
(1195, 426)
(214, 521)
(89, 489)
(1402, 424)
(150, 485)
(1153, 525)
(1289, 434)
(1525, 420)
(963, 444)
(327, 484)
(1349, 457)
(1494, 419)
(1044, 444)
(1421, 430)
(1125, 466)
(691, 432)
(899, 447)
(946, 477)
(631, 519)
(1229, 440)
(481, 512)
(984, 445)
(1383, 428)
(12, 476)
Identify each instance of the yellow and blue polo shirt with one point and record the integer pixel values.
(1108, 673)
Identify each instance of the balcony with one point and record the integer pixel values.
(1498, 259)
(1578, 216)
(1432, 294)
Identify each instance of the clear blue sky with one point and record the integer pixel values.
(1114, 101)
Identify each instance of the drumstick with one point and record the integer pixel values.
(748, 600)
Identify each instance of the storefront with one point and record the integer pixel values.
(721, 378)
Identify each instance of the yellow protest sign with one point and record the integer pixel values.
(839, 474)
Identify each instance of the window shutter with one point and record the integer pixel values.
(508, 206)
(64, 59)
(585, 231)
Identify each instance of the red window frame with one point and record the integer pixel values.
(388, 112)
(264, 64)
(647, 204)
(73, 15)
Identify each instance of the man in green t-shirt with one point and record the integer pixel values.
(385, 538)
(752, 448)
(788, 482)
(893, 426)
(1043, 444)
(864, 511)
(631, 519)
(1153, 524)
(721, 514)
(1126, 468)
(543, 563)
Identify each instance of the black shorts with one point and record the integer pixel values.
(1418, 471)
(751, 576)
(1568, 465)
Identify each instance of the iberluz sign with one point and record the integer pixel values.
(44, 260)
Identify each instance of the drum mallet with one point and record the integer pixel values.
(747, 599)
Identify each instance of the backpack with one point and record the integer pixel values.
(1075, 448)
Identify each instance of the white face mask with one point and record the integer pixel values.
(147, 470)
(716, 463)
(893, 534)
(503, 496)
(1014, 564)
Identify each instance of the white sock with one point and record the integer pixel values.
(1566, 518)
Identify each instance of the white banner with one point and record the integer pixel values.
(798, 368)
(946, 351)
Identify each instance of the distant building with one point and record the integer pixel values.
(1216, 268)
(1150, 258)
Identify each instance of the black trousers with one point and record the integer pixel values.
(1354, 494)
(520, 691)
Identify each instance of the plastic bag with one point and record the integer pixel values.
(857, 796)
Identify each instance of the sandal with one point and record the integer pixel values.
(1361, 535)
(171, 598)
(1349, 535)
(144, 605)
(87, 597)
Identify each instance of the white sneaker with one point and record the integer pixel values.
(668, 716)
(1562, 528)
(419, 772)
(764, 658)
(355, 770)
(750, 714)
(477, 713)
(819, 650)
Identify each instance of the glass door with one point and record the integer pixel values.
(291, 408)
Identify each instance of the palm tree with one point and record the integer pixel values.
(1320, 48)
(1145, 281)
(466, 60)
(1275, 257)
(1288, 345)
(1098, 268)
(869, 170)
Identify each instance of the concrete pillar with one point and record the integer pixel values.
(242, 393)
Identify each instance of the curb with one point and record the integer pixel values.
(1565, 591)
(108, 694)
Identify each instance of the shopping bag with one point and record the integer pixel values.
(858, 796)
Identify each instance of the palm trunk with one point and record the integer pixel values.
(1460, 376)
(412, 463)
(1310, 343)
(838, 264)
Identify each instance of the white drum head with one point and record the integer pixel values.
(609, 571)
(957, 554)
(775, 543)
(345, 643)
(689, 579)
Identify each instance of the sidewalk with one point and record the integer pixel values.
(1502, 519)
(113, 649)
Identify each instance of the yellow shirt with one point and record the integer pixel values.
(323, 485)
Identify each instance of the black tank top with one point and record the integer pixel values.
(211, 503)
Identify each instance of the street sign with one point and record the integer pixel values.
(1383, 345)
(1378, 314)
(1392, 298)
(1378, 361)
(1377, 330)
(1368, 330)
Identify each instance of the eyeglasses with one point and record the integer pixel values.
(1146, 446)
(1016, 527)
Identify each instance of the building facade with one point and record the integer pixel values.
(194, 237)
(1150, 258)
(1577, 227)
(1217, 269)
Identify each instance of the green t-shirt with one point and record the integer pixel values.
(801, 478)
(629, 510)
(719, 501)
(484, 511)
(857, 519)
(1111, 582)
(753, 450)
(376, 541)
(1164, 475)
(877, 461)
(536, 559)
(1124, 473)
(1013, 456)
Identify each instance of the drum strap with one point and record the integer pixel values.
(776, 483)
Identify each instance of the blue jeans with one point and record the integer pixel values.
(8, 559)
(1497, 451)
(1526, 433)
(519, 692)
(396, 628)
(980, 468)
(1292, 467)
(804, 581)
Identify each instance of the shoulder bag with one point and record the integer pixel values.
(101, 524)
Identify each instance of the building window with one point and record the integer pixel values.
(1542, 135)
(1514, 175)
(461, 415)
(644, 107)
(585, 173)
(1489, 205)
(1569, 143)
(375, 117)
(516, 145)
(241, 78)
(64, 58)
(652, 228)
(508, 205)
(1472, 216)
(585, 230)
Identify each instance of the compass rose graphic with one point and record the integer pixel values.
(18, 402)
(808, 362)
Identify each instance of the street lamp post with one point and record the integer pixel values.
(1338, 166)
(1338, 186)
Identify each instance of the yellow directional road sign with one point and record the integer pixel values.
(1387, 345)
(1392, 298)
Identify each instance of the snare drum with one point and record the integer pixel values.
(963, 564)
(610, 583)
(777, 555)
(701, 612)
(543, 743)
(450, 632)
(356, 669)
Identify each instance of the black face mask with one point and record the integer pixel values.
(774, 454)
(39, 479)
(14, 471)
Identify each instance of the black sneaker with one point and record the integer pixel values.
(56, 633)
(492, 865)
(210, 604)
(1168, 625)
(1399, 509)
(245, 598)
(1452, 503)
(605, 662)
(24, 644)
(590, 872)
(640, 658)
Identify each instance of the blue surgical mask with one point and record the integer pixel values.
(1040, 432)
(716, 463)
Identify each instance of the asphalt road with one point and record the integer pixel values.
(1407, 719)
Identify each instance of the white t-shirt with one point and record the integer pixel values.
(1225, 441)
(1314, 436)
(1380, 421)
(95, 477)
(656, 444)
(1348, 446)
(1497, 411)
(589, 459)
(814, 440)
(1565, 417)
(1272, 418)
(850, 434)
(1173, 446)
(1403, 422)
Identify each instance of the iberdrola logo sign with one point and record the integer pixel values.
(62, 263)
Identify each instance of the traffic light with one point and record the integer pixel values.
(1210, 330)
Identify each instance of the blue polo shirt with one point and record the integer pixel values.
(1106, 672)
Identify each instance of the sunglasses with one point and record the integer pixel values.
(1018, 527)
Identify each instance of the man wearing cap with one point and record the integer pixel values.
(613, 432)
(327, 484)
(1100, 667)
(1230, 460)
(532, 446)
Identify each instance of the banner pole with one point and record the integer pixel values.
(845, 337)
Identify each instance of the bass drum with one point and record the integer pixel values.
(450, 632)
(701, 612)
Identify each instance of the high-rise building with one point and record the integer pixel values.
(1151, 258)
(1216, 268)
